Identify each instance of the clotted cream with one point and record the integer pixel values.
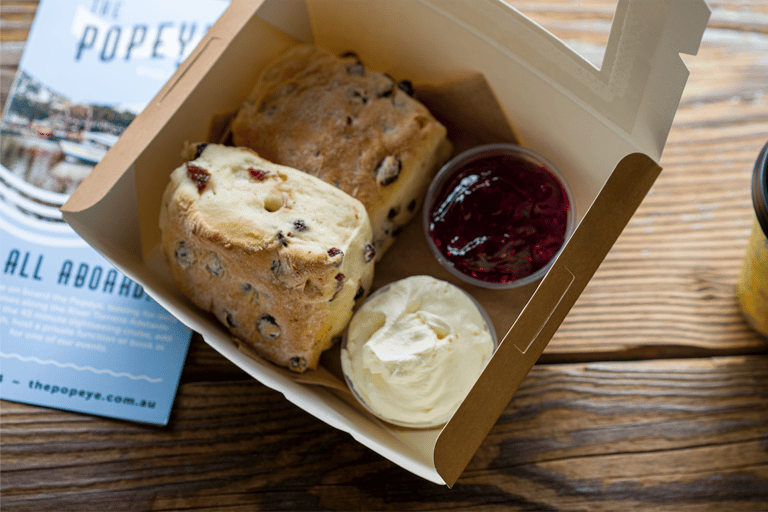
(414, 350)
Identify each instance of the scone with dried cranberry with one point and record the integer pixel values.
(355, 128)
(279, 256)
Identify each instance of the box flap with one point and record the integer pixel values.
(556, 294)
(641, 79)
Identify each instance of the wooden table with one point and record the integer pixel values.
(652, 395)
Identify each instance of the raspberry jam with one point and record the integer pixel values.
(499, 218)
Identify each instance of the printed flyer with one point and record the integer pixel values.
(75, 333)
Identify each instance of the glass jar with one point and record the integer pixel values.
(752, 283)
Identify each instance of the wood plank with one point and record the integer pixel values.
(669, 435)
(668, 285)
(16, 18)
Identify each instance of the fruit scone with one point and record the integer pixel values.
(355, 128)
(278, 256)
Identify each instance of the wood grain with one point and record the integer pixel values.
(668, 285)
(606, 435)
(15, 21)
(653, 395)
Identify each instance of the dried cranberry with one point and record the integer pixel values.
(198, 175)
(333, 252)
(258, 174)
(340, 278)
(300, 225)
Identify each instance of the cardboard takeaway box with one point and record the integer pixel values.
(603, 128)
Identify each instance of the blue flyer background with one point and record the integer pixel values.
(75, 333)
(78, 335)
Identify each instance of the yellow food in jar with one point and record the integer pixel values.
(752, 284)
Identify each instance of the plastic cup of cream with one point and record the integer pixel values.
(414, 349)
(497, 215)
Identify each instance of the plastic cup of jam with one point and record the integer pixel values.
(752, 283)
(497, 215)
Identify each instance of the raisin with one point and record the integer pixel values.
(406, 86)
(230, 319)
(393, 212)
(268, 327)
(384, 86)
(369, 252)
(300, 225)
(298, 363)
(199, 150)
(214, 265)
(267, 109)
(412, 205)
(388, 170)
(356, 68)
(185, 256)
(198, 175)
(258, 174)
(358, 96)
(281, 239)
(251, 293)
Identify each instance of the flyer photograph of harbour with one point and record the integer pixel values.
(50, 144)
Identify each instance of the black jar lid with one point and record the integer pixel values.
(760, 189)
